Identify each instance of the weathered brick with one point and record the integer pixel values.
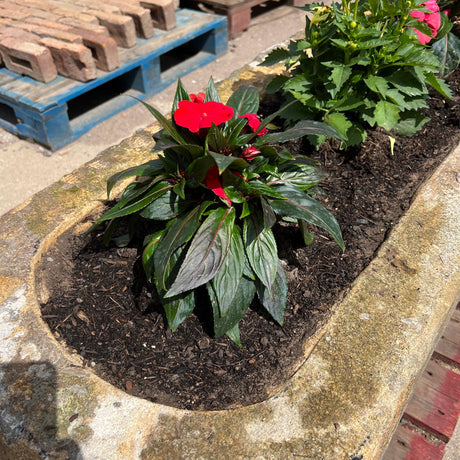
(120, 27)
(51, 32)
(163, 12)
(103, 48)
(12, 13)
(141, 17)
(105, 7)
(9, 31)
(95, 28)
(72, 60)
(27, 58)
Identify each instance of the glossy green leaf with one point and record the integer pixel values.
(180, 95)
(244, 100)
(178, 232)
(149, 250)
(166, 207)
(274, 298)
(146, 169)
(224, 161)
(211, 92)
(228, 277)
(241, 302)
(137, 205)
(300, 205)
(234, 335)
(301, 129)
(206, 253)
(302, 176)
(439, 85)
(261, 249)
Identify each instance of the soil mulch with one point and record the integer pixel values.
(101, 306)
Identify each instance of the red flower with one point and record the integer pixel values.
(249, 153)
(198, 98)
(197, 115)
(254, 123)
(432, 20)
(213, 182)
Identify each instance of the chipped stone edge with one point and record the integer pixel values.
(344, 401)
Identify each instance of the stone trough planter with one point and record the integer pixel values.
(344, 401)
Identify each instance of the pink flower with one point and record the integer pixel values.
(254, 123)
(197, 115)
(432, 20)
(198, 98)
(249, 153)
(213, 182)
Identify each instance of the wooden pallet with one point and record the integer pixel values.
(434, 408)
(56, 113)
(238, 12)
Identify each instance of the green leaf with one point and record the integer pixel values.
(146, 169)
(411, 121)
(137, 205)
(259, 188)
(407, 83)
(386, 114)
(224, 161)
(241, 302)
(179, 188)
(234, 335)
(302, 176)
(275, 56)
(164, 123)
(211, 92)
(166, 207)
(206, 253)
(302, 128)
(181, 95)
(339, 122)
(339, 76)
(261, 249)
(276, 84)
(244, 100)
(439, 85)
(149, 250)
(274, 298)
(377, 84)
(178, 232)
(448, 52)
(300, 205)
(228, 277)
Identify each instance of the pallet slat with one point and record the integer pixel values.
(407, 444)
(51, 113)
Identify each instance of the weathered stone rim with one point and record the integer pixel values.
(344, 401)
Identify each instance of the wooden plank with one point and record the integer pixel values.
(435, 403)
(448, 347)
(407, 444)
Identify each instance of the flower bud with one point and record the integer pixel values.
(249, 153)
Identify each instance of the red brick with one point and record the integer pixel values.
(72, 60)
(141, 17)
(163, 13)
(51, 32)
(120, 27)
(27, 58)
(103, 48)
(95, 28)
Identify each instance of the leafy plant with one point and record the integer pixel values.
(212, 197)
(361, 64)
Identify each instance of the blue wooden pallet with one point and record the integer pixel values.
(59, 112)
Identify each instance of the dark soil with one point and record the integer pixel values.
(101, 306)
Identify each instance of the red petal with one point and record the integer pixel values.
(212, 181)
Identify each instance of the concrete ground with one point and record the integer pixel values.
(26, 167)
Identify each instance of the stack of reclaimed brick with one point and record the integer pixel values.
(73, 38)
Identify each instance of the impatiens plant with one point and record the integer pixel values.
(212, 196)
(363, 63)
